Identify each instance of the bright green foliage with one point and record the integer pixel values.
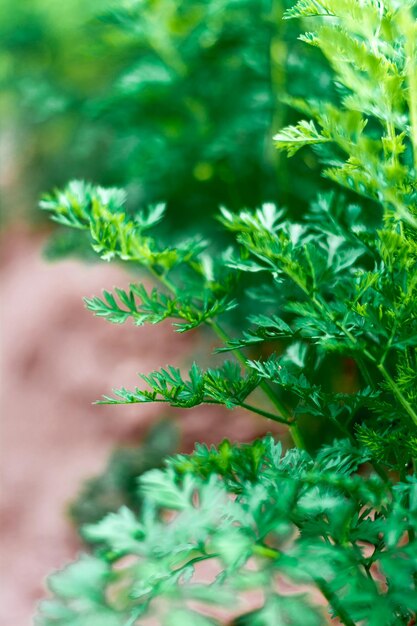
(160, 96)
(154, 307)
(313, 521)
(371, 46)
(224, 385)
(203, 294)
(293, 138)
(335, 290)
(114, 233)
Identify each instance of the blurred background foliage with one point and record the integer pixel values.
(118, 484)
(174, 100)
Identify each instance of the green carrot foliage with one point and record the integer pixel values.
(290, 302)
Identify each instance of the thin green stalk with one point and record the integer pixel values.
(265, 551)
(392, 136)
(365, 373)
(322, 308)
(284, 416)
(408, 23)
(391, 382)
(162, 278)
(333, 601)
(196, 559)
(398, 393)
(285, 413)
(399, 315)
(411, 532)
(277, 77)
(393, 385)
(267, 414)
(244, 405)
(297, 437)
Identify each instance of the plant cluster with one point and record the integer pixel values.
(146, 106)
(336, 287)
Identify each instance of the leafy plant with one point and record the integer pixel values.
(132, 93)
(109, 87)
(337, 287)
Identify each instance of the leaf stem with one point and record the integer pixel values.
(380, 366)
(196, 559)
(244, 405)
(285, 413)
(271, 416)
(334, 602)
(398, 393)
(410, 51)
(285, 416)
(266, 551)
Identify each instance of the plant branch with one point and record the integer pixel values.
(284, 416)
(398, 393)
(334, 602)
(410, 50)
(267, 414)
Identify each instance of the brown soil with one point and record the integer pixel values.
(56, 360)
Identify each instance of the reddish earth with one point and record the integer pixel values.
(56, 360)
